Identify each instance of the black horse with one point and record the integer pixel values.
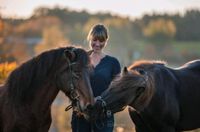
(27, 95)
(164, 99)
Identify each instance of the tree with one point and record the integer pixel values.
(188, 26)
(35, 27)
(52, 38)
(1, 30)
(90, 23)
(160, 30)
(40, 12)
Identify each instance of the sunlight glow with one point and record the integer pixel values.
(131, 8)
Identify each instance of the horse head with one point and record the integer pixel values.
(73, 78)
(31, 88)
(134, 87)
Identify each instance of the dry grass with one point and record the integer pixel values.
(5, 69)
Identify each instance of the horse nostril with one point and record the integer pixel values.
(92, 101)
(89, 106)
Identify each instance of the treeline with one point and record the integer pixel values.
(183, 27)
(187, 25)
(49, 26)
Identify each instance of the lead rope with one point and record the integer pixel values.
(92, 127)
(108, 113)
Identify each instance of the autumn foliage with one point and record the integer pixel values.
(5, 69)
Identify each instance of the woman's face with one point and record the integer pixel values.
(97, 45)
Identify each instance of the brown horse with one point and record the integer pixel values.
(164, 99)
(26, 97)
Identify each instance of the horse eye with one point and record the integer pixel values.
(139, 90)
(141, 71)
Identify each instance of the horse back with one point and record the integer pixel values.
(192, 65)
(189, 91)
(189, 75)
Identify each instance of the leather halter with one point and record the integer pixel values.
(107, 112)
(103, 103)
(73, 95)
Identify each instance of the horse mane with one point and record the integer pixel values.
(141, 63)
(25, 80)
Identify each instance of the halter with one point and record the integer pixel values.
(108, 112)
(73, 95)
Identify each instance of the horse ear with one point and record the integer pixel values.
(125, 70)
(90, 52)
(70, 54)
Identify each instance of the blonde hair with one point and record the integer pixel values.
(98, 32)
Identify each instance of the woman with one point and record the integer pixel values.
(105, 69)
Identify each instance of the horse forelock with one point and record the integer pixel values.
(145, 97)
(25, 80)
(82, 57)
(125, 80)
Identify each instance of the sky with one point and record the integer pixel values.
(131, 8)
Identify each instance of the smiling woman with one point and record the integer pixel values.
(106, 68)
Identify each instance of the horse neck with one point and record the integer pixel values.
(45, 98)
(2, 88)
